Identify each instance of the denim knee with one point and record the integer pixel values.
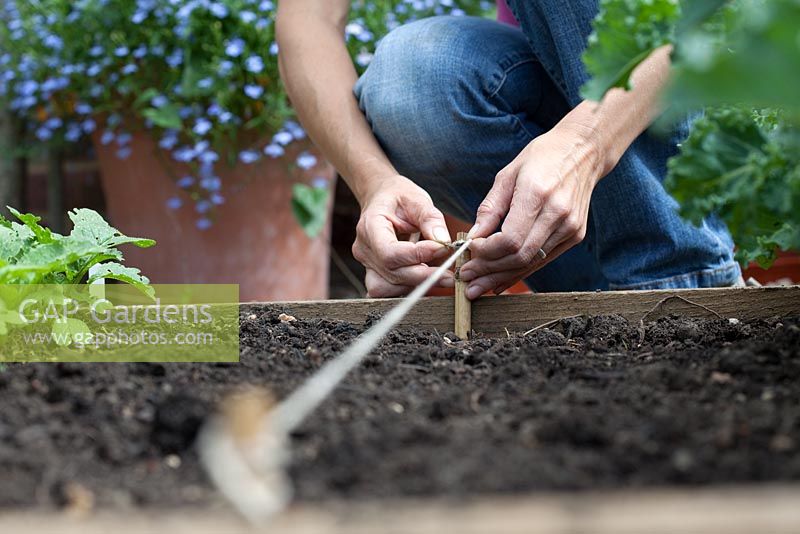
(405, 91)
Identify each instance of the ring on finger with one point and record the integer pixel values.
(542, 254)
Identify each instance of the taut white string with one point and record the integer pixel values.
(290, 413)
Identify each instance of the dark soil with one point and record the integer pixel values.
(579, 406)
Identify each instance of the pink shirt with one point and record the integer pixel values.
(504, 14)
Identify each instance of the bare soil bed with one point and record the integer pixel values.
(591, 403)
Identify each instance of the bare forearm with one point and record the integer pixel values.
(319, 77)
(612, 125)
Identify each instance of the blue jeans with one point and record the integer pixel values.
(453, 100)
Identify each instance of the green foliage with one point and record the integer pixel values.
(747, 173)
(32, 254)
(750, 54)
(308, 206)
(68, 329)
(626, 32)
(735, 58)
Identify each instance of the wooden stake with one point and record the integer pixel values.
(463, 315)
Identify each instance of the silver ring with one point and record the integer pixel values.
(542, 254)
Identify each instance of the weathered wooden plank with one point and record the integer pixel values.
(492, 316)
(744, 510)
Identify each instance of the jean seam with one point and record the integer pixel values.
(506, 72)
(685, 276)
(491, 96)
(554, 76)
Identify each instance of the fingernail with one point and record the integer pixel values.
(441, 253)
(473, 231)
(474, 291)
(466, 275)
(441, 234)
(447, 281)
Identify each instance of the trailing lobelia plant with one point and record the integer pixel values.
(739, 60)
(201, 76)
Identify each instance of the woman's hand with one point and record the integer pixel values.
(399, 207)
(544, 196)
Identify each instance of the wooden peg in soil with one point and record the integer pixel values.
(463, 324)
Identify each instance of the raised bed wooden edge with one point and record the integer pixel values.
(499, 315)
(729, 510)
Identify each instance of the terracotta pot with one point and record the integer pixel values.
(785, 270)
(255, 240)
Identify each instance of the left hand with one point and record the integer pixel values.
(544, 196)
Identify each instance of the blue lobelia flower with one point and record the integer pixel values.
(295, 129)
(89, 126)
(306, 160)
(203, 223)
(202, 206)
(234, 47)
(225, 66)
(320, 182)
(202, 126)
(208, 156)
(218, 9)
(214, 110)
(27, 88)
(107, 137)
(185, 182)
(282, 138)
(53, 41)
(274, 150)
(82, 108)
(212, 183)
(124, 139)
(174, 203)
(73, 133)
(253, 91)
(200, 147)
(43, 133)
(364, 58)
(184, 154)
(175, 58)
(159, 101)
(248, 156)
(254, 64)
(168, 142)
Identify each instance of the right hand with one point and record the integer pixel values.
(395, 267)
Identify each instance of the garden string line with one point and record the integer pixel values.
(244, 450)
(290, 413)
